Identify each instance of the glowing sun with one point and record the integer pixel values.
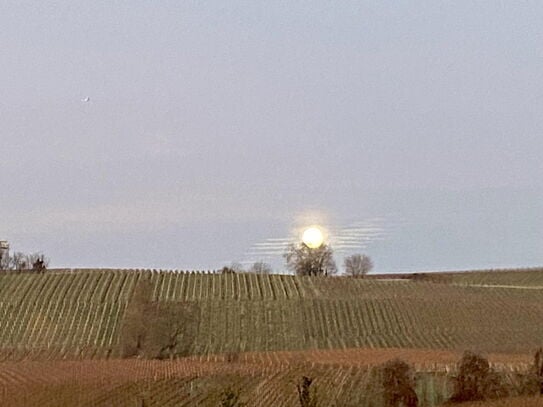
(313, 237)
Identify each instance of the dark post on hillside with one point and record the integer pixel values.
(306, 396)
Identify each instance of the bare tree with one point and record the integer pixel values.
(233, 268)
(19, 261)
(306, 261)
(357, 265)
(237, 267)
(260, 268)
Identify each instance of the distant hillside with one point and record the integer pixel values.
(78, 314)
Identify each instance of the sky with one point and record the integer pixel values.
(215, 131)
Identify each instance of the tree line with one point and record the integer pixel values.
(20, 261)
(306, 261)
(303, 260)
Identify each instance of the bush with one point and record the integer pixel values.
(476, 380)
(526, 384)
(39, 263)
(398, 383)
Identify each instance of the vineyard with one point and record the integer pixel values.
(60, 334)
(342, 378)
(77, 314)
(185, 383)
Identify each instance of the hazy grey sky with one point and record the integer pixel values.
(215, 126)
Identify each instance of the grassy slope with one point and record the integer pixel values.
(78, 314)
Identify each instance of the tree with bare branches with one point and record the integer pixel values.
(260, 268)
(20, 261)
(357, 265)
(307, 261)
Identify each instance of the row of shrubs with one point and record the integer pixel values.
(475, 381)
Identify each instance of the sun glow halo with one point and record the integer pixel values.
(313, 237)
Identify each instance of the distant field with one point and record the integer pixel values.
(519, 278)
(527, 277)
(77, 314)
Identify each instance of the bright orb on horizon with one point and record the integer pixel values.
(313, 237)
